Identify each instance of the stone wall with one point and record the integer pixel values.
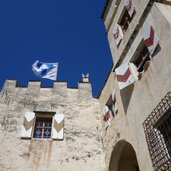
(81, 148)
(147, 92)
(113, 15)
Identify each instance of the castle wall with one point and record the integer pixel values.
(114, 17)
(147, 92)
(81, 148)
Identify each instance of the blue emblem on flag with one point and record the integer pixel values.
(38, 64)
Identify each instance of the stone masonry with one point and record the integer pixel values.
(81, 148)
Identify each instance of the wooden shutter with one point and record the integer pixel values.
(114, 108)
(27, 127)
(150, 37)
(58, 126)
(105, 110)
(130, 7)
(124, 75)
(107, 117)
(118, 34)
(134, 70)
(113, 96)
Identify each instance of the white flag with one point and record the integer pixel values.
(45, 70)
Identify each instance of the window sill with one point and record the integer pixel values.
(42, 139)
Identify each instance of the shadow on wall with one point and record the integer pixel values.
(126, 96)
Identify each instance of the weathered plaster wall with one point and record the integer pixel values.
(154, 84)
(81, 148)
(147, 92)
(139, 8)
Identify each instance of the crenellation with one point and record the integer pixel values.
(85, 90)
(60, 88)
(34, 85)
(34, 96)
(84, 86)
(10, 84)
(60, 84)
(8, 92)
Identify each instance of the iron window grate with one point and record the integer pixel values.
(157, 128)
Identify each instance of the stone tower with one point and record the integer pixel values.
(51, 129)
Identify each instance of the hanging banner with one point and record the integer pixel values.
(124, 76)
(107, 117)
(150, 37)
(118, 34)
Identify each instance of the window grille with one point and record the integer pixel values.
(157, 128)
(43, 128)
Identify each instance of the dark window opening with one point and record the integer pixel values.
(111, 105)
(43, 127)
(125, 21)
(141, 58)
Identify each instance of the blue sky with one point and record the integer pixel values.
(69, 32)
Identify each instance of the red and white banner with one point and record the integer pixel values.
(118, 34)
(130, 7)
(150, 37)
(124, 75)
(107, 117)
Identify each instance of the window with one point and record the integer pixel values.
(111, 105)
(122, 25)
(157, 128)
(110, 110)
(127, 15)
(43, 127)
(163, 125)
(125, 21)
(141, 58)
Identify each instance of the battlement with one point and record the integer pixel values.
(12, 86)
(36, 84)
(32, 84)
(33, 93)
